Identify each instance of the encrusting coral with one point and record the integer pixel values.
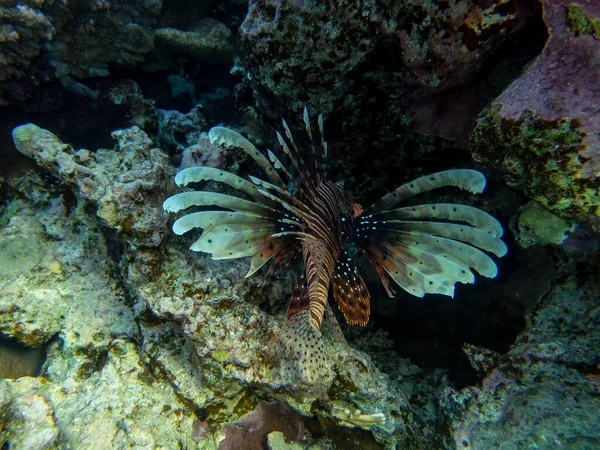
(418, 246)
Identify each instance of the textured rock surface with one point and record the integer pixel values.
(544, 391)
(209, 41)
(126, 184)
(542, 134)
(79, 40)
(123, 404)
(191, 344)
(374, 62)
(536, 225)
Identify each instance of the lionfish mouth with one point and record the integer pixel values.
(296, 211)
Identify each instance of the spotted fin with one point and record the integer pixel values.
(186, 200)
(470, 180)
(210, 219)
(350, 292)
(445, 211)
(196, 174)
(464, 233)
(302, 365)
(299, 300)
(227, 241)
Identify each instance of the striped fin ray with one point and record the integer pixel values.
(350, 292)
(290, 136)
(396, 270)
(428, 257)
(467, 179)
(229, 138)
(428, 278)
(203, 173)
(299, 209)
(429, 266)
(323, 142)
(373, 255)
(279, 166)
(285, 251)
(302, 171)
(415, 276)
(447, 211)
(281, 251)
(299, 174)
(317, 161)
(458, 252)
(186, 200)
(290, 155)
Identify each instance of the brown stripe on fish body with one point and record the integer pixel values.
(322, 252)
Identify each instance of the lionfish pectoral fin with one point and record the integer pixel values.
(350, 292)
(419, 246)
(467, 179)
(300, 353)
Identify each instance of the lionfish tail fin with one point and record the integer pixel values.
(300, 354)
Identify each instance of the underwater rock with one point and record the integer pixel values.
(27, 420)
(25, 28)
(80, 40)
(122, 404)
(204, 153)
(55, 284)
(209, 41)
(120, 181)
(536, 225)
(17, 361)
(384, 63)
(542, 134)
(544, 392)
(276, 441)
(178, 131)
(251, 430)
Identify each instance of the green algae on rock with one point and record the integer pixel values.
(537, 225)
(542, 134)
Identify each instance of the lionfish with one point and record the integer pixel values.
(296, 210)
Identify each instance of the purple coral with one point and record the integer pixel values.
(542, 134)
(251, 430)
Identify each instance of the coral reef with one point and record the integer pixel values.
(536, 225)
(543, 391)
(24, 29)
(209, 41)
(136, 342)
(542, 134)
(78, 41)
(252, 429)
(194, 335)
(384, 63)
(121, 182)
